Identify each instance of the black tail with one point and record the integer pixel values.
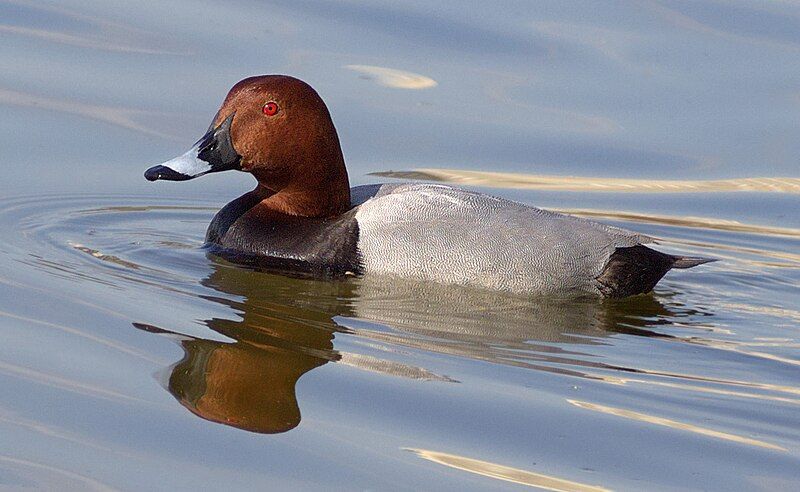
(690, 261)
(637, 269)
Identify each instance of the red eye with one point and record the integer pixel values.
(270, 109)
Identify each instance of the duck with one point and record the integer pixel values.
(304, 218)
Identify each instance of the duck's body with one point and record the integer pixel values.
(447, 235)
(303, 217)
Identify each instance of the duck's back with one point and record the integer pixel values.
(451, 235)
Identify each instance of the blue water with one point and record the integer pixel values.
(134, 360)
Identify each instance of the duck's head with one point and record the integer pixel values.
(277, 128)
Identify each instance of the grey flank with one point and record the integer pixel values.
(455, 236)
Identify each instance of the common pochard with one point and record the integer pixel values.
(303, 216)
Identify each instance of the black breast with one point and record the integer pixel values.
(283, 243)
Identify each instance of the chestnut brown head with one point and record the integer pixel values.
(273, 126)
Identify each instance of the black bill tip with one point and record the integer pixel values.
(163, 172)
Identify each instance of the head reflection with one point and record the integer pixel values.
(241, 385)
(286, 328)
(250, 383)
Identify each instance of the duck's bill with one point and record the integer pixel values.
(214, 152)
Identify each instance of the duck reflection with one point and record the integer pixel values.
(249, 386)
(287, 326)
(250, 383)
(538, 333)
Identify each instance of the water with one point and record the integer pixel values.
(133, 360)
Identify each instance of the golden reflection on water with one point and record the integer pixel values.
(506, 473)
(777, 312)
(690, 387)
(693, 222)
(773, 357)
(741, 347)
(731, 382)
(577, 183)
(396, 79)
(104, 257)
(674, 424)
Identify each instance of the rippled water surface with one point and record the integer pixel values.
(134, 360)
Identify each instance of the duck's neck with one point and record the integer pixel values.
(314, 190)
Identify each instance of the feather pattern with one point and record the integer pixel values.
(450, 235)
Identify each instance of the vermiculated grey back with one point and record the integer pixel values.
(445, 234)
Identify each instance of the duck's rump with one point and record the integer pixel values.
(637, 269)
(449, 235)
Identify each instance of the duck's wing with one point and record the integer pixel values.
(451, 235)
